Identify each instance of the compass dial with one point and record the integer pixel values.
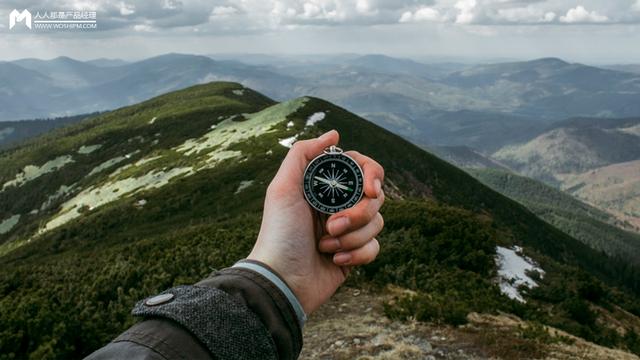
(333, 182)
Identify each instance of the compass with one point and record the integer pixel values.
(333, 181)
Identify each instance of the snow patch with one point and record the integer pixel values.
(94, 197)
(31, 172)
(229, 132)
(238, 92)
(62, 191)
(153, 120)
(512, 271)
(315, 118)
(243, 185)
(109, 163)
(289, 124)
(7, 224)
(288, 142)
(84, 150)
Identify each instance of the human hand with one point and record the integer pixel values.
(315, 260)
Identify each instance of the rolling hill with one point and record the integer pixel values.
(14, 132)
(594, 159)
(101, 213)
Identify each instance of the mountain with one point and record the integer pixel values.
(64, 86)
(596, 228)
(104, 212)
(575, 145)
(466, 157)
(14, 132)
(593, 159)
(615, 188)
(390, 65)
(104, 62)
(69, 73)
(631, 68)
(552, 88)
(21, 91)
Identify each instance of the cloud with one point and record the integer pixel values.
(422, 14)
(580, 15)
(466, 8)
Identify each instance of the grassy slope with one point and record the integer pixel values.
(76, 284)
(586, 223)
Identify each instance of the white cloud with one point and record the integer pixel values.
(525, 15)
(466, 8)
(127, 9)
(636, 6)
(581, 15)
(223, 11)
(422, 14)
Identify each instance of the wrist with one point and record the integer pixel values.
(277, 280)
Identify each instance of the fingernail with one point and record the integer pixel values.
(325, 135)
(330, 245)
(377, 186)
(342, 258)
(338, 226)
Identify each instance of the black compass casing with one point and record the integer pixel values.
(333, 182)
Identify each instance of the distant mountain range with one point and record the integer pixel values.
(108, 210)
(63, 86)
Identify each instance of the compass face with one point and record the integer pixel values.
(332, 183)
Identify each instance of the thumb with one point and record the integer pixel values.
(303, 151)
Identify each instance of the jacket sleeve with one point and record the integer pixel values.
(243, 312)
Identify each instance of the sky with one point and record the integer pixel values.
(589, 31)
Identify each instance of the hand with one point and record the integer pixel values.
(315, 260)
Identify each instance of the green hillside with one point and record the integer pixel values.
(157, 194)
(586, 223)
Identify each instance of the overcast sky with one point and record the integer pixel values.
(592, 31)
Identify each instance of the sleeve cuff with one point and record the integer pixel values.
(276, 280)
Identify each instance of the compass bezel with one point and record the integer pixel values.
(307, 183)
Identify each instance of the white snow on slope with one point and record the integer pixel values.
(153, 120)
(288, 142)
(109, 163)
(62, 191)
(229, 132)
(7, 224)
(238, 92)
(94, 197)
(314, 118)
(31, 172)
(84, 150)
(512, 269)
(243, 185)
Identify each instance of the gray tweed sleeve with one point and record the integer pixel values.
(226, 327)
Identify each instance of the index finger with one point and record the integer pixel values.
(373, 173)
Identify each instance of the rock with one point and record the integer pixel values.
(356, 341)
(339, 343)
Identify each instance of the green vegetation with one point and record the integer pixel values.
(69, 290)
(583, 222)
